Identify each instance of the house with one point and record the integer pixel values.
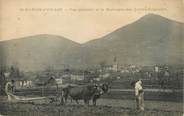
(59, 81)
(24, 83)
(77, 77)
(105, 75)
(42, 80)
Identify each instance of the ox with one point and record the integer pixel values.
(85, 93)
(97, 95)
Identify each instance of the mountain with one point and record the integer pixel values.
(37, 52)
(150, 40)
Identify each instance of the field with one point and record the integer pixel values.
(105, 107)
(117, 102)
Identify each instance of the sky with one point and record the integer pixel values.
(78, 20)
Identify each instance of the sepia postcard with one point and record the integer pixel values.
(91, 57)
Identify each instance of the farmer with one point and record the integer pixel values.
(139, 94)
(10, 89)
(10, 86)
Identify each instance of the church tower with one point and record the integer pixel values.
(115, 65)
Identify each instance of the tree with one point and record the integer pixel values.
(2, 80)
(14, 72)
(102, 65)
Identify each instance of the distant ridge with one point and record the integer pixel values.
(150, 40)
(41, 36)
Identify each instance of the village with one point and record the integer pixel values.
(153, 76)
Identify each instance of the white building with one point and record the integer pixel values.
(77, 77)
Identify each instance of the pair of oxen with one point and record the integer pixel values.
(84, 92)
